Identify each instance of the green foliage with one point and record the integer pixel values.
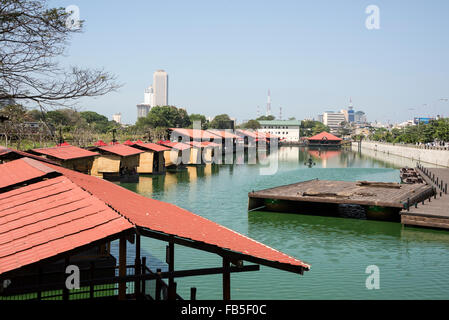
(310, 128)
(199, 117)
(251, 124)
(166, 117)
(221, 121)
(423, 133)
(266, 118)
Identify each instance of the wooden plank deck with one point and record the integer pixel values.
(345, 192)
(433, 213)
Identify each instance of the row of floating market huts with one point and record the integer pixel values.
(126, 161)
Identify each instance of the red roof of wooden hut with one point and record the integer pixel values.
(128, 143)
(121, 150)
(65, 152)
(52, 216)
(100, 143)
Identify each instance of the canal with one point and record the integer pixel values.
(413, 262)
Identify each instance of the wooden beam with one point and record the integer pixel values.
(226, 280)
(122, 268)
(137, 268)
(171, 269)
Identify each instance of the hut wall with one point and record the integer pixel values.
(108, 164)
(94, 170)
(83, 165)
(161, 164)
(167, 158)
(146, 162)
(208, 155)
(130, 162)
(195, 156)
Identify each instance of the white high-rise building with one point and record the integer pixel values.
(160, 88)
(333, 120)
(117, 118)
(149, 96)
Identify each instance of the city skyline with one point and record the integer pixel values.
(222, 58)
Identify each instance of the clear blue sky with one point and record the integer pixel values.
(223, 56)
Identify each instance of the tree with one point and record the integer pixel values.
(199, 117)
(32, 37)
(166, 117)
(252, 124)
(222, 121)
(266, 118)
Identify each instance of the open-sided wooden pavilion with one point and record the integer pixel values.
(179, 154)
(324, 140)
(52, 217)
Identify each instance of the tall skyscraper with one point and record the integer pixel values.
(155, 95)
(160, 88)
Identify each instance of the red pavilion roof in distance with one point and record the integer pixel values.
(325, 136)
(66, 152)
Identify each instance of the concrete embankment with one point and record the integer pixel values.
(430, 156)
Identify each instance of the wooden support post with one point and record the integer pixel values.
(137, 269)
(144, 270)
(158, 285)
(193, 293)
(171, 268)
(122, 269)
(226, 280)
(91, 278)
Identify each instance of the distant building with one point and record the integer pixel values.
(143, 110)
(333, 120)
(287, 130)
(320, 118)
(160, 88)
(154, 95)
(419, 120)
(117, 118)
(360, 117)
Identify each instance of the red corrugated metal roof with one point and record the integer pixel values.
(194, 133)
(5, 153)
(325, 136)
(224, 134)
(152, 146)
(22, 170)
(66, 152)
(121, 150)
(248, 133)
(128, 143)
(172, 220)
(47, 218)
(175, 145)
(204, 144)
(100, 143)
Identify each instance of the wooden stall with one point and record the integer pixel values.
(152, 160)
(117, 163)
(69, 157)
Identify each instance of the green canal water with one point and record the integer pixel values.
(413, 262)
